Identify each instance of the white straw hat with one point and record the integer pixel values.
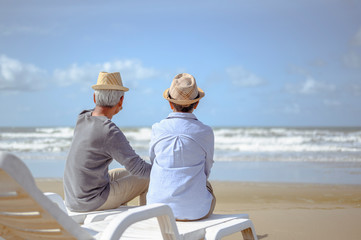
(183, 90)
(109, 81)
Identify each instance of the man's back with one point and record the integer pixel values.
(97, 141)
(87, 189)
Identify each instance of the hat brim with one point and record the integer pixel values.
(110, 87)
(183, 102)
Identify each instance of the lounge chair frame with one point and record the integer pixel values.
(26, 213)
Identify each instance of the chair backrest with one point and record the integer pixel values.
(25, 212)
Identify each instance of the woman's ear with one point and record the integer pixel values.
(171, 105)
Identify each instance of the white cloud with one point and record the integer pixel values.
(243, 78)
(10, 30)
(18, 76)
(310, 86)
(357, 38)
(354, 88)
(297, 70)
(131, 71)
(292, 109)
(75, 74)
(332, 102)
(352, 60)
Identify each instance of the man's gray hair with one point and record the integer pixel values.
(107, 98)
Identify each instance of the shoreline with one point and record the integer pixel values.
(292, 188)
(281, 211)
(335, 173)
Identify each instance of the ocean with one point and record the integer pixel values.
(252, 154)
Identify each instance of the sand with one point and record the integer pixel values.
(283, 211)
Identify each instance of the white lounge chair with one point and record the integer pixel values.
(81, 217)
(214, 227)
(26, 213)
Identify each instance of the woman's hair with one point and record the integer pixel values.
(185, 109)
(107, 98)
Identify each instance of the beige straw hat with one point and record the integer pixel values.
(183, 90)
(109, 81)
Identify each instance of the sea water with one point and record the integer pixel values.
(258, 154)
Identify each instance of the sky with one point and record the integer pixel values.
(260, 63)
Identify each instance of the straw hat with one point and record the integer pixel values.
(109, 81)
(183, 90)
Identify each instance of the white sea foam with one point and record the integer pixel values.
(35, 140)
(231, 144)
(138, 134)
(284, 144)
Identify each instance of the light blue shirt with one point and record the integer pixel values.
(181, 152)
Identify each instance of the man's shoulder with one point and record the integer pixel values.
(114, 131)
(102, 125)
(85, 112)
(111, 126)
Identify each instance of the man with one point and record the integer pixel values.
(97, 141)
(181, 151)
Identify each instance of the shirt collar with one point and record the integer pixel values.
(88, 113)
(182, 115)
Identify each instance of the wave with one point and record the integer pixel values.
(231, 144)
(287, 140)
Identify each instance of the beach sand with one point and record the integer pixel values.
(283, 211)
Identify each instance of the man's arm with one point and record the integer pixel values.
(120, 149)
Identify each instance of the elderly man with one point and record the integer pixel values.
(181, 151)
(97, 141)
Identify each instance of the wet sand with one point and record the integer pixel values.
(283, 211)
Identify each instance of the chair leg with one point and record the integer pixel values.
(221, 230)
(168, 227)
(248, 234)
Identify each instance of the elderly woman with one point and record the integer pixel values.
(181, 151)
(88, 185)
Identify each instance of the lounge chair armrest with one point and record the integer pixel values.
(162, 212)
(101, 215)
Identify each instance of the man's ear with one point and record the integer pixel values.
(196, 105)
(120, 103)
(94, 98)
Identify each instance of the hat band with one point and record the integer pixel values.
(182, 99)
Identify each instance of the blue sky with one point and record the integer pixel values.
(261, 63)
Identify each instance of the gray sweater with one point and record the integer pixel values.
(96, 142)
